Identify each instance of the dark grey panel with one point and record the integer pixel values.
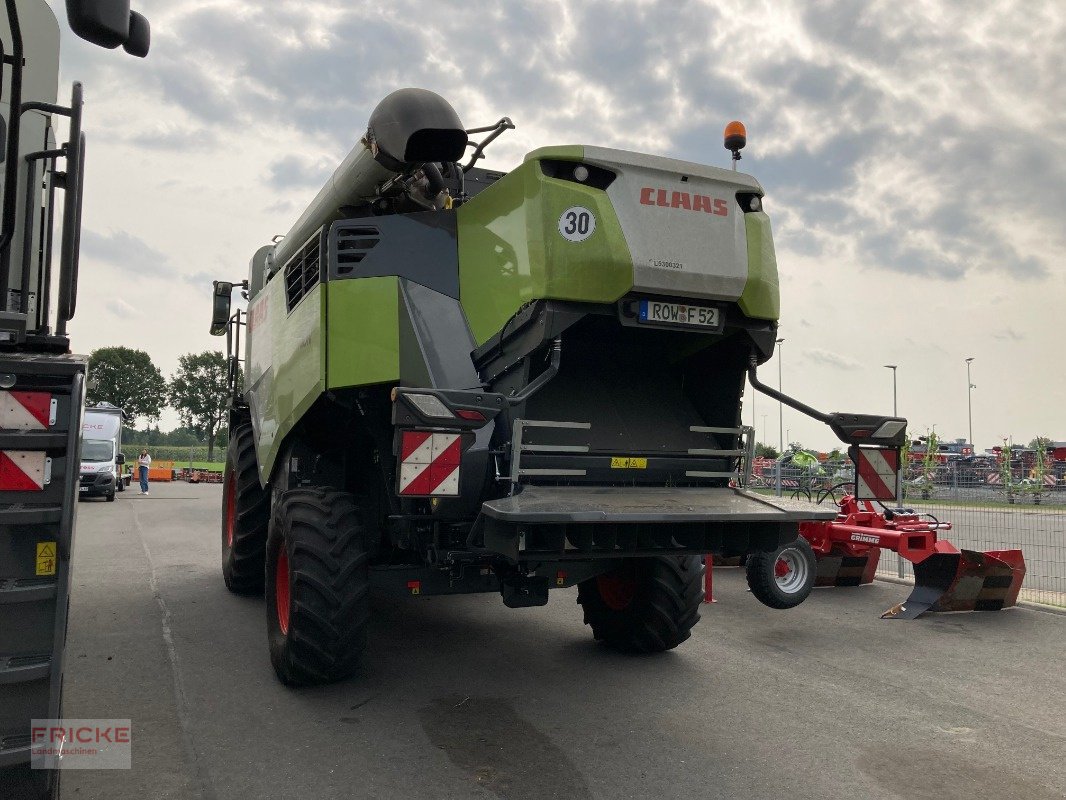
(435, 341)
(421, 247)
(647, 504)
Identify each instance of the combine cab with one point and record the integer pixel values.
(460, 380)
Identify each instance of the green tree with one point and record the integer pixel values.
(1040, 441)
(199, 392)
(765, 451)
(128, 379)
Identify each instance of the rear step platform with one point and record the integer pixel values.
(555, 523)
(546, 505)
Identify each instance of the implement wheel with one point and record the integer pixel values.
(783, 578)
(644, 605)
(245, 515)
(317, 587)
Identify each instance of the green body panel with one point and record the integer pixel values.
(286, 365)
(510, 250)
(363, 340)
(762, 295)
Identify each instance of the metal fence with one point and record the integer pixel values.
(988, 510)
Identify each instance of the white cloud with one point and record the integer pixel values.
(911, 154)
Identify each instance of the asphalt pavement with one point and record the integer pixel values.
(461, 697)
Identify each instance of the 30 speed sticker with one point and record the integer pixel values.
(577, 224)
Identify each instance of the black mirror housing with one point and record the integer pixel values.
(220, 311)
(103, 22)
(140, 38)
(869, 429)
(120, 459)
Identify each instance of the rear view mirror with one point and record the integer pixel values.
(120, 459)
(102, 22)
(220, 312)
(140, 36)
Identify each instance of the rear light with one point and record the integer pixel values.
(890, 429)
(430, 406)
(473, 416)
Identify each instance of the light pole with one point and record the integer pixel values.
(764, 424)
(892, 367)
(969, 398)
(780, 405)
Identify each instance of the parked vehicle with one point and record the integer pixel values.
(101, 452)
(461, 380)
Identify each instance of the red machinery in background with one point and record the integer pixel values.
(946, 578)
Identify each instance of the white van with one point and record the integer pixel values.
(101, 452)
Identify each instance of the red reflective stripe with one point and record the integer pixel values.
(13, 479)
(423, 484)
(411, 441)
(450, 456)
(868, 474)
(39, 404)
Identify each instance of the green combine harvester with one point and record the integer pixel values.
(458, 380)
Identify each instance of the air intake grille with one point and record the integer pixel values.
(353, 244)
(302, 272)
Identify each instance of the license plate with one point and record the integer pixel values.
(83, 488)
(654, 311)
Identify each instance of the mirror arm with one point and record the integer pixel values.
(803, 408)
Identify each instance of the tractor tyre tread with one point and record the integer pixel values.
(243, 564)
(329, 587)
(662, 613)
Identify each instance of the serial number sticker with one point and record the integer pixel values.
(629, 463)
(577, 224)
(46, 558)
(679, 314)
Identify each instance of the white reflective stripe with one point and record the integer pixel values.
(16, 417)
(423, 454)
(409, 473)
(441, 442)
(885, 471)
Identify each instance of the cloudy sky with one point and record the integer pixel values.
(912, 155)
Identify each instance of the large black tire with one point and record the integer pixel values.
(317, 586)
(785, 584)
(111, 497)
(645, 605)
(245, 515)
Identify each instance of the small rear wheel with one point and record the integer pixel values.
(245, 515)
(783, 578)
(317, 587)
(644, 605)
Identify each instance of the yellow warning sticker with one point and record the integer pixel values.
(46, 558)
(629, 463)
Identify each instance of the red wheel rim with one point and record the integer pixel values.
(281, 591)
(781, 568)
(616, 589)
(231, 508)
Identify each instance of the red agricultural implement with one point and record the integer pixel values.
(946, 578)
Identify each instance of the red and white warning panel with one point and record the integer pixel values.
(876, 472)
(24, 471)
(429, 463)
(27, 411)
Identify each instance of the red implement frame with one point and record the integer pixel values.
(945, 578)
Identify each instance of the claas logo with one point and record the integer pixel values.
(689, 202)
